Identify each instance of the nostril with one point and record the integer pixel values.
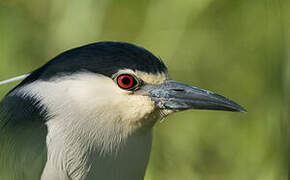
(177, 90)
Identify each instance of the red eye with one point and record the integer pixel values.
(126, 81)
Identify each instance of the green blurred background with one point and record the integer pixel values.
(238, 48)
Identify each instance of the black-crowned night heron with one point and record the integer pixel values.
(89, 112)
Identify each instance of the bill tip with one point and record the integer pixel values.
(242, 110)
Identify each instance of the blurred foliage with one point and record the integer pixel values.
(238, 48)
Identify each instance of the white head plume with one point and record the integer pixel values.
(14, 79)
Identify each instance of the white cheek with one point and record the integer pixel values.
(136, 108)
(93, 93)
(104, 95)
(101, 97)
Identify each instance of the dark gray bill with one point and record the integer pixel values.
(175, 95)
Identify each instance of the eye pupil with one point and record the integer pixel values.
(126, 80)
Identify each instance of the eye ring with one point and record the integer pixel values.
(127, 81)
